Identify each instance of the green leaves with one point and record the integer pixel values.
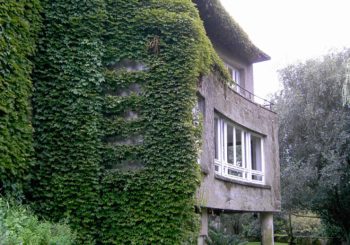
(18, 225)
(116, 149)
(67, 105)
(19, 24)
(314, 138)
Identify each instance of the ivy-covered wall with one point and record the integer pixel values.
(67, 115)
(19, 23)
(154, 202)
(116, 148)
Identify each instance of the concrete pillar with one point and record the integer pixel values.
(266, 220)
(204, 227)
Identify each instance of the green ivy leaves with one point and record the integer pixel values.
(19, 24)
(87, 118)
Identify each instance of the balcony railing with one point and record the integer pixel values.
(252, 97)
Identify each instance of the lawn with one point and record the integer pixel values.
(258, 243)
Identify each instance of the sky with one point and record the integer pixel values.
(290, 31)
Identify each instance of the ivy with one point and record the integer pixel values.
(19, 24)
(67, 112)
(155, 204)
(120, 161)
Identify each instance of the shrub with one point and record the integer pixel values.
(18, 225)
(219, 237)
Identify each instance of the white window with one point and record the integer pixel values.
(235, 76)
(239, 153)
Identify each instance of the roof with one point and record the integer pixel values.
(224, 32)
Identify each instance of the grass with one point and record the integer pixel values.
(258, 243)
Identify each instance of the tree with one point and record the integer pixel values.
(314, 135)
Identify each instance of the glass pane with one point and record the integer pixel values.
(257, 177)
(222, 139)
(235, 173)
(237, 77)
(256, 153)
(230, 71)
(238, 147)
(216, 125)
(229, 144)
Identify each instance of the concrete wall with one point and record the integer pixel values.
(245, 68)
(226, 194)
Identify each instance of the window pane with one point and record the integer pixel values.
(237, 77)
(235, 172)
(229, 144)
(222, 140)
(230, 71)
(216, 143)
(238, 147)
(256, 153)
(257, 177)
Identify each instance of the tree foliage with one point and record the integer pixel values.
(315, 138)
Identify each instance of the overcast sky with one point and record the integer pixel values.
(290, 31)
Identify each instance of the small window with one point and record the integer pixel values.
(238, 152)
(236, 75)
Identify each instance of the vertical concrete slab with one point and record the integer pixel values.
(204, 227)
(266, 220)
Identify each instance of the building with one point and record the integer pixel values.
(115, 83)
(239, 159)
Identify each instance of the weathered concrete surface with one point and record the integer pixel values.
(204, 227)
(266, 220)
(246, 70)
(216, 193)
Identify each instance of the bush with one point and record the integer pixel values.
(19, 226)
(218, 237)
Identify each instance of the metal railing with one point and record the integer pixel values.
(252, 97)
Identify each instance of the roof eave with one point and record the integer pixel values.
(224, 31)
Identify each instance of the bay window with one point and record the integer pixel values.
(238, 152)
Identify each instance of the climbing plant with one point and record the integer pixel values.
(153, 203)
(67, 113)
(19, 24)
(116, 147)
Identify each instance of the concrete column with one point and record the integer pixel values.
(204, 227)
(266, 220)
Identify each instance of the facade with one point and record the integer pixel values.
(239, 159)
(116, 146)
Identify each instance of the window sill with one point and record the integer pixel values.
(238, 182)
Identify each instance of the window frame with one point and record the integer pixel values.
(244, 172)
(236, 76)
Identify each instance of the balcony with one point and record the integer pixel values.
(251, 97)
